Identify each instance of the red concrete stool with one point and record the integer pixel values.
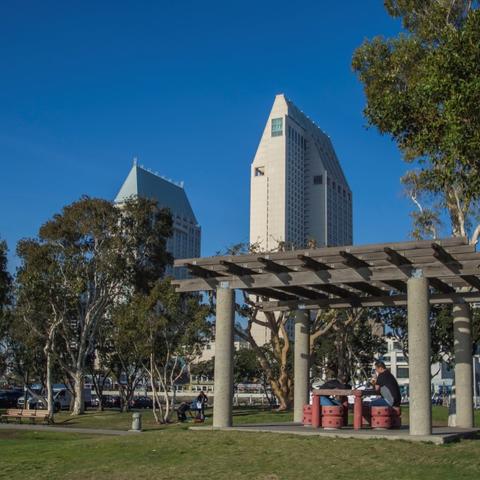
(381, 422)
(386, 417)
(332, 410)
(307, 414)
(332, 417)
(381, 411)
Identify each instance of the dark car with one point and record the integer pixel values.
(111, 401)
(9, 398)
(143, 402)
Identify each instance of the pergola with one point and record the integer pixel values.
(412, 274)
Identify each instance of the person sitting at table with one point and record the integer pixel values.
(386, 384)
(331, 384)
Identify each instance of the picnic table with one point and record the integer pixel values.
(343, 393)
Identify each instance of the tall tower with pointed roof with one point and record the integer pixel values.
(299, 193)
(185, 241)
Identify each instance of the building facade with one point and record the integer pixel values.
(299, 193)
(186, 238)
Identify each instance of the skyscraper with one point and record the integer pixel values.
(185, 241)
(299, 193)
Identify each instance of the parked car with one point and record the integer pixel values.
(61, 397)
(111, 401)
(9, 398)
(32, 397)
(142, 402)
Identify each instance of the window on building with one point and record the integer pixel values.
(259, 171)
(317, 179)
(402, 372)
(277, 127)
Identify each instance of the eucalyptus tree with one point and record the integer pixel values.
(93, 255)
(171, 329)
(423, 90)
(5, 298)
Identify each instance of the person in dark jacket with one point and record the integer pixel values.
(182, 410)
(386, 384)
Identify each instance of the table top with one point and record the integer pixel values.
(345, 392)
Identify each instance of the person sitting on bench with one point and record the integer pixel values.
(387, 385)
(331, 384)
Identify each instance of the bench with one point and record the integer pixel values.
(31, 415)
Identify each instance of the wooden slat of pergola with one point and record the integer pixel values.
(341, 276)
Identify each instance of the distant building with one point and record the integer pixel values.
(208, 350)
(185, 241)
(299, 193)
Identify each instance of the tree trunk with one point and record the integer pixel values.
(79, 402)
(50, 404)
(282, 393)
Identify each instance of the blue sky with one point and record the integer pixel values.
(186, 87)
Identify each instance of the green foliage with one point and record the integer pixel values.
(5, 277)
(347, 350)
(5, 299)
(171, 324)
(167, 331)
(423, 89)
(86, 258)
(441, 330)
(205, 368)
(246, 367)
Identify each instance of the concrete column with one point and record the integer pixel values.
(301, 364)
(462, 335)
(419, 356)
(223, 394)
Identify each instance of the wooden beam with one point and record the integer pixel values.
(334, 290)
(201, 271)
(472, 280)
(269, 293)
(397, 285)
(335, 276)
(442, 255)
(396, 258)
(441, 286)
(367, 288)
(271, 266)
(236, 269)
(405, 247)
(352, 261)
(389, 301)
(303, 292)
(312, 264)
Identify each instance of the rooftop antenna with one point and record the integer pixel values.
(135, 160)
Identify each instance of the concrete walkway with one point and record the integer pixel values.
(52, 428)
(439, 436)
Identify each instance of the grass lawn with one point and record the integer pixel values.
(173, 452)
(112, 419)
